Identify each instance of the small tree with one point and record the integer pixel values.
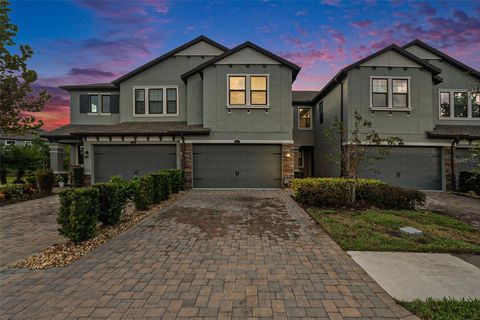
(352, 147)
(16, 80)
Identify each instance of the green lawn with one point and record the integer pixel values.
(378, 230)
(444, 309)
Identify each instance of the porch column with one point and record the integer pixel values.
(56, 157)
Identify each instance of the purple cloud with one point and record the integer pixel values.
(361, 24)
(90, 72)
(426, 9)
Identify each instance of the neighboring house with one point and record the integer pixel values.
(19, 140)
(223, 115)
(417, 93)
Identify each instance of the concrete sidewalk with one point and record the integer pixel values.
(407, 276)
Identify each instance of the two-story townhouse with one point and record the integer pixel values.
(416, 93)
(223, 115)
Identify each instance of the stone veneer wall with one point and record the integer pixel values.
(447, 155)
(187, 159)
(288, 168)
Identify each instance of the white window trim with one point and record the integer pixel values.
(164, 114)
(298, 118)
(7, 142)
(390, 106)
(452, 111)
(100, 103)
(247, 91)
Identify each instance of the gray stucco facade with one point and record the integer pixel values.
(199, 71)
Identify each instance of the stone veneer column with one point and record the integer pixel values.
(187, 164)
(447, 155)
(287, 165)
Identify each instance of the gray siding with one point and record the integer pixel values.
(239, 124)
(411, 127)
(195, 100)
(303, 137)
(84, 118)
(166, 73)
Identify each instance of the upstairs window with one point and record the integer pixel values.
(400, 93)
(93, 104)
(459, 104)
(237, 90)
(106, 104)
(390, 92)
(247, 90)
(304, 118)
(258, 90)
(380, 93)
(171, 100)
(139, 101)
(156, 101)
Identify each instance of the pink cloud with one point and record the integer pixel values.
(309, 57)
(361, 24)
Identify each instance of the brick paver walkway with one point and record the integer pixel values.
(214, 254)
(27, 227)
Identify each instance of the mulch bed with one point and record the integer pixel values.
(65, 253)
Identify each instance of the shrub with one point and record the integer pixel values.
(31, 180)
(78, 213)
(163, 184)
(336, 193)
(469, 181)
(65, 176)
(125, 187)
(45, 180)
(143, 192)
(389, 197)
(111, 202)
(177, 180)
(14, 192)
(78, 177)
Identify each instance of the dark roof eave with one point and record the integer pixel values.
(168, 55)
(451, 136)
(89, 87)
(446, 57)
(162, 133)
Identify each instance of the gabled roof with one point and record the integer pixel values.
(168, 55)
(96, 86)
(301, 97)
(393, 47)
(444, 56)
(248, 44)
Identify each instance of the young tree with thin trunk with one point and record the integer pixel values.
(353, 147)
(17, 97)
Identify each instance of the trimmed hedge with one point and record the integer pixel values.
(111, 202)
(161, 185)
(45, 180)
(177, 179)
(78, 213)
(469, 181)
(125, 187)
(143, 192)
(336, 193)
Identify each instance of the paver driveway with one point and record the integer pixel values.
(214, 254)
(27, 227)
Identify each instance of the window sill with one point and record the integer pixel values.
(246, 106)
(106, 114)
(305, 129)
(93, 113)
(390, 109)
(155, 115)
(461, 119)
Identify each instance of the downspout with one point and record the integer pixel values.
(452, 164)
(342, 165)
(183, 151)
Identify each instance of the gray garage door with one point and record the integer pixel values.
(132, 160)
(408, 167)
(237, 166)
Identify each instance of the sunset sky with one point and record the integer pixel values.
(97, 41)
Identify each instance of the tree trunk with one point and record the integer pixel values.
(20, 174)
(3, 176)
